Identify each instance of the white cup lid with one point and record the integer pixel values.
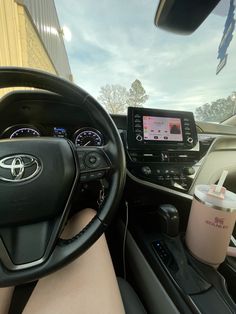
(229, 202)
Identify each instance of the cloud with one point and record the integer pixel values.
(115, 42)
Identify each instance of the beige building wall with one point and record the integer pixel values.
(20, 43)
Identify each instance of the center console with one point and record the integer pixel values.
(193, 286)
(162, 146)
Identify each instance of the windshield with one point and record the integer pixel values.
(114, 51)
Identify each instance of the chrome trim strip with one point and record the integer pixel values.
(6, 260)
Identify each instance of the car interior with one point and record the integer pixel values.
(55, 136)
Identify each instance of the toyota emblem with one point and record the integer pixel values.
(19, 168)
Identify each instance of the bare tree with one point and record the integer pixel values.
(114, 98)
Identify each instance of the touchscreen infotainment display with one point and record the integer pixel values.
(162, 129)
(157, 129)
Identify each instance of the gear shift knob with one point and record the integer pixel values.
(169, 216)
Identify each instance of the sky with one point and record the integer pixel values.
(116, 42)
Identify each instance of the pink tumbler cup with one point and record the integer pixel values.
(210, 225)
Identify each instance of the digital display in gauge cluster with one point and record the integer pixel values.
(59, 132)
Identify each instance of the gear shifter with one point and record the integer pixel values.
(169, 219)
(174, 253)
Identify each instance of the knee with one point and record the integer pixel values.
(87, 213)
(81, 219)
(84, 216)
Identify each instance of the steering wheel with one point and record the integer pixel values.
(38, 178)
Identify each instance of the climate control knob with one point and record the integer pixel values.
(139, 137)
(146, 170)
(190, 140)
(188, 171)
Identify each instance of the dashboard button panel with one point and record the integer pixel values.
(173, 169)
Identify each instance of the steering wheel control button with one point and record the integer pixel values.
(92, 176)
(19, 168)
(93, 160)
(100, 174)
(84, 177)
(82, 165)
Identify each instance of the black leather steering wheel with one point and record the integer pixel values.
(38, 177)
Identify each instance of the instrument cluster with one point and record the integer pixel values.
(85, 136)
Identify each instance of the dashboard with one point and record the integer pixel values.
(43, 114)
(165, 150)
(162, 147)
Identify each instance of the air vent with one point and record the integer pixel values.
(205, 141)
(183, 156)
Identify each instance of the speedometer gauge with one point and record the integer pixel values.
(25, 132)
(88, 137)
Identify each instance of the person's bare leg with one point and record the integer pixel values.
(86, 286)
(5, 299)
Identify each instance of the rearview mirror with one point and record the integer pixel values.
(183, 16)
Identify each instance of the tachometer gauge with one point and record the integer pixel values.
(88, 137)
(25, 132)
